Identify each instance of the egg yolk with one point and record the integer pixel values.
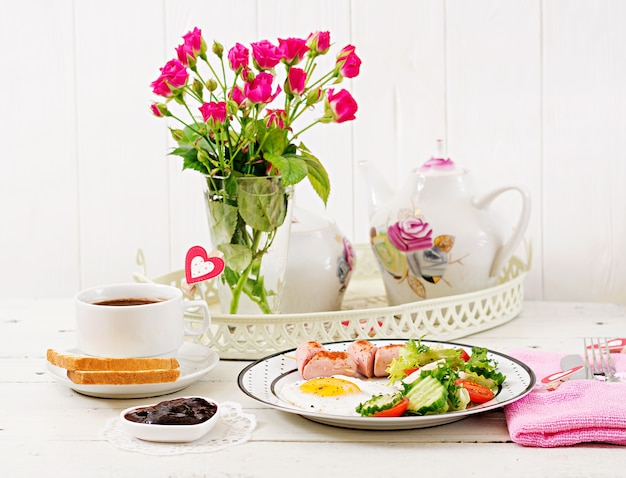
(329, 387)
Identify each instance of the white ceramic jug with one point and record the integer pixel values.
(437, 237)
(319, 264)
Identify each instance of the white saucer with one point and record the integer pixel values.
(195, 362)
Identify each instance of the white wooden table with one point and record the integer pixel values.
(49, 430)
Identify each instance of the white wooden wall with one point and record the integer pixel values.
(524, 91)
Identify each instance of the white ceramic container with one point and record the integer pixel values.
(437, 237)
(168, 433)
(319, 266)
(146, 330)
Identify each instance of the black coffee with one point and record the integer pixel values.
(128, 301)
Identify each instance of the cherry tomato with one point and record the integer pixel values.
(478, 393)
(464, 355)
(397, 410)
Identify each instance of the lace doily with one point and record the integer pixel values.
(234, 427)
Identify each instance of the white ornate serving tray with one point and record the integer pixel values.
(364, 314)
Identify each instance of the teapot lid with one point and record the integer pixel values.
(438, 164)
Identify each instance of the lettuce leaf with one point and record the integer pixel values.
(415, 354)
(482, 366)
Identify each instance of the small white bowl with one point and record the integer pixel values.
(168, 433)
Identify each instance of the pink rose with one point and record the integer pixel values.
(348, 63)
(319, 42)
(174, 73)
(266, 55)
(155, 110)
(192, 47)
(161, 88)
(237, 95)
(341, 105)
(214, 111)
(193, 41)
(410, 234)
(350, 67)
(186, 55)
(276, 118)
(296, 81)
(345, 51)
(293, 50)
(259, 90)
(238, 57)
(247, 74)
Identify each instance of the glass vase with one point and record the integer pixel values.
(250, 222)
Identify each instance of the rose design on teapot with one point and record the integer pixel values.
(410, 234)
(345, 264)
(422, 257)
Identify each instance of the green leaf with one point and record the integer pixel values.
(262, 204)
(229, 276)
(292, 168)
(190, 161)
(481, 364)
(222, 221)
(237, 256)
(275, 142)
(182, 151)
(230, 185)
(318, 176)
(256, 287)
(192, 133)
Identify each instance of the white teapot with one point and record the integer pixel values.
(437, 238)
(320, 263)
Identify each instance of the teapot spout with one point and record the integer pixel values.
(379, 192)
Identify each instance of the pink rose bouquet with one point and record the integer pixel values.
(237, 117)
(249, 113)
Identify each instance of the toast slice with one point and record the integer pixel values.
(125, 377)
(83, 362)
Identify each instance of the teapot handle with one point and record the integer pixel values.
(507, 249)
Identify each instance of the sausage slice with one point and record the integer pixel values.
(305, 352)
(384, 356)
(364, 353)
(326, 363)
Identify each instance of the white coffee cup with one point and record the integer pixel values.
(155, 328)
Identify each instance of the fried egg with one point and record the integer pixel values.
(336, 395)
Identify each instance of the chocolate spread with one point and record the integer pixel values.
(180, 411)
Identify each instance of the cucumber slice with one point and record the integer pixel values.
(427, 396)
(378, 403)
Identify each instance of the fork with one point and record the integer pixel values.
(600, 364)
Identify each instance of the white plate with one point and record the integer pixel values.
(263, 379)
(195, 361)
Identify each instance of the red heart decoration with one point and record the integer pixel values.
(199, 266)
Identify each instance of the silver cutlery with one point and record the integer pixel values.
(598, 360)
(595, 363)
(573, 361)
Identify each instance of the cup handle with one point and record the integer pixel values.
(206, 313)
(507, 249)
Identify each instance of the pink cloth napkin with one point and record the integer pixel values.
(578, 411)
